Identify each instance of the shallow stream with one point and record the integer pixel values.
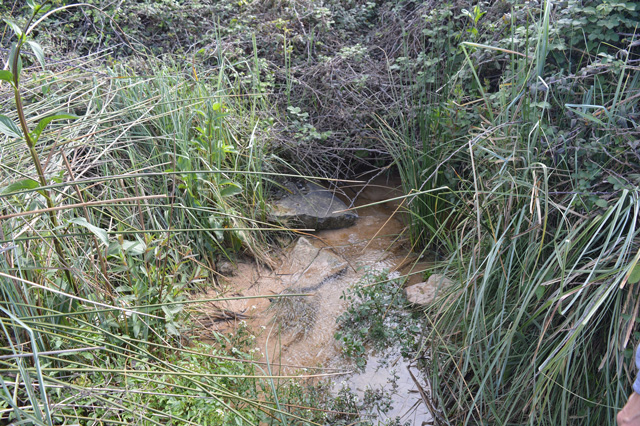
(322, 266)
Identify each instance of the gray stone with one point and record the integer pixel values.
(226, 268)
(425, 292)
(311, 206)
(310, 265)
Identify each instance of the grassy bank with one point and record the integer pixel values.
(122, 188)
(538, 221)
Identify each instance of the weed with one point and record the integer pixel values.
(295, 314)
(376, 317)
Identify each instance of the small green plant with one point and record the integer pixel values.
(355, 52)
(376, 317)
(598, 25)
(474, 16)
(303, 130)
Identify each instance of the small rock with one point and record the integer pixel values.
(311, 265)
(312, 207)
(425, 292)
(226, 268)
(439, 280)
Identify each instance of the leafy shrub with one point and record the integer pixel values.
(376, 317)
(597, 26)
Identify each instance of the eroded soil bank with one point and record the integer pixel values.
(297, 332)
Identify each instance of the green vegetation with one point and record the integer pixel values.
(140, 141)
(545, 233)
(141, 182)
(377, 317)
(544, 236)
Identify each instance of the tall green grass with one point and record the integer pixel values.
(536, 330)
(431, 203)
(540, 326)
(160, 175)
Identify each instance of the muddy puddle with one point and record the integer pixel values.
(298, 331)
(397, 378)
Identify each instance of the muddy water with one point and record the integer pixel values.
(298, 331)
(397, 376)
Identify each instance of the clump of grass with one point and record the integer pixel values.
(544, 309)
(426, 178)
(540, 328)
(155, 177)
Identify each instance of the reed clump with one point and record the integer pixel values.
(538, 221)
(121, 186)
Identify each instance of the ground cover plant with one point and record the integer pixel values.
(378, 317)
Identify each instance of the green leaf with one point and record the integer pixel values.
(6, 76)
(601, 203)
(213, 223)
(31, 4)
(21, 185)
(572, 108)
(42, 124)
(171, 310)
(133, 248)
(171, 329)
(230, 190)
(539, 291)
(15, 27)
(136, 329)
(634, 277)
(114, 248)
(38, 51)
(9, 128)
(542, 104)
(98, 232)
